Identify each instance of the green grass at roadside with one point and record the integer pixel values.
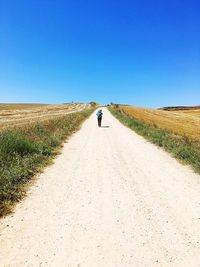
(24, 151)
(181, 148)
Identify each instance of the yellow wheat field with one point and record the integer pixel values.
(20, 114)
(181, 122)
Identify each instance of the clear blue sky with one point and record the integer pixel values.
(139, 52)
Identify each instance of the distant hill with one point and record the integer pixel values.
(180, 108)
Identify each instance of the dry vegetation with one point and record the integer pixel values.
(35, 137)
(17, 114)
(185, 123)
(176, 131)
(19, 106)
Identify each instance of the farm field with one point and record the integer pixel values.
(19, 106)
(18, 114)
(183, 122)
(36, 137)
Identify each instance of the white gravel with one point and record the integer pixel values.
(111, 199)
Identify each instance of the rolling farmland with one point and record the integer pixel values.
(183, 122)
(19, 114)
(30, 136)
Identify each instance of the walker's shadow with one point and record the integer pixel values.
(106, 126)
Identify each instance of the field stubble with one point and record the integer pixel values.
(20, 114)
(185, 123)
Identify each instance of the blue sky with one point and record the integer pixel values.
(139, 52)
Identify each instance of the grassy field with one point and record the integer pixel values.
(19, 114)
(176, 132)
(26, 149)
(185, 123)
(19, 106)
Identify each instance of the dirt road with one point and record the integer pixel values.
(111, 199)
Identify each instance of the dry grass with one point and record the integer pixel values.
(26, 149)
(20, 114)
(185, 123)
(173, 131)
(19, 106)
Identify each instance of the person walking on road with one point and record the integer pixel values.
(99, 117)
